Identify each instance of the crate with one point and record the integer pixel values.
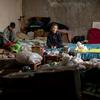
(36, 66)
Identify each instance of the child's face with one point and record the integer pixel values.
(11, 28)
(54, 29)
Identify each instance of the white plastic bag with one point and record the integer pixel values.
(27, 57)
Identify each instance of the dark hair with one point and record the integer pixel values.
(12, 25)
(53, 24)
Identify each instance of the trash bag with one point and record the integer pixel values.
(27, 57)
(78, 39)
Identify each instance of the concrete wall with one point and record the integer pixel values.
(10, 10)
(78, 15)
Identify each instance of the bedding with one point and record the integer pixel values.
(92, 52)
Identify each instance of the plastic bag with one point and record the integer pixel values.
(27, 57)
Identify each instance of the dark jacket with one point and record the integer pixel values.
(54, 40)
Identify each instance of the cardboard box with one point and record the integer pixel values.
(37, 49)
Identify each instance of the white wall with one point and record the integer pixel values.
(10, 11)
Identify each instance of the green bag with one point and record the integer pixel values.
(16, 48)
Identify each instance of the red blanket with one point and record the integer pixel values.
(93, 36)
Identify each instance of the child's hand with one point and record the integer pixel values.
(53, 47)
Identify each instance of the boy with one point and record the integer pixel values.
(54, 37)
